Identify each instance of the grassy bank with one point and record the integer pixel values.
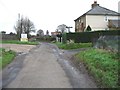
(73, 45)
(102, 65)
(18, 42)
(6, 57)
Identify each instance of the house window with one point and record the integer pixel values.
(106, 18)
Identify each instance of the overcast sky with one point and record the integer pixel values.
(47, 14)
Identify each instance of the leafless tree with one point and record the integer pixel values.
(24, 25)
(62, 28)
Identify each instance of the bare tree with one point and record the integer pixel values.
(62, 28)
(40, 33)
(24, 25)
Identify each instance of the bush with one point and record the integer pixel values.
(88, 28)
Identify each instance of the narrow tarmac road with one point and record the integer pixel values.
(45, 66)
(40, 69)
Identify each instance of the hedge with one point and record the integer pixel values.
(86, 37)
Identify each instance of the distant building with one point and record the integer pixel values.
(55, 33)
(98, 18)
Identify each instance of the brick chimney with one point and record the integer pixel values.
(94, 4)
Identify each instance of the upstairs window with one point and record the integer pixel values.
(106, 18)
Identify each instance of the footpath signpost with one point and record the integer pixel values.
(24, 38)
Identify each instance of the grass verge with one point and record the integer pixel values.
(18, 42)
(6, 57)
(73, 45)
(102, 65)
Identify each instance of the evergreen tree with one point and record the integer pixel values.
(88, 28)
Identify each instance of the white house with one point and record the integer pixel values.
(97, 18)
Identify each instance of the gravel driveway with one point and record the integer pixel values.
(18, 48)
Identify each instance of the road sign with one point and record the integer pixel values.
(24, 37)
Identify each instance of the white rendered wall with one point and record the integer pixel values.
(99, 22)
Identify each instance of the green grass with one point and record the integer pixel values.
(18, 42)
(6, 57)
(73, 45)
(102, 65)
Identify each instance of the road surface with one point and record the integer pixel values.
(44, 67)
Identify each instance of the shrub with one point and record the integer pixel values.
(88, 28)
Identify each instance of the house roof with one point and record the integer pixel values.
(98, 10)
(115, 23)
